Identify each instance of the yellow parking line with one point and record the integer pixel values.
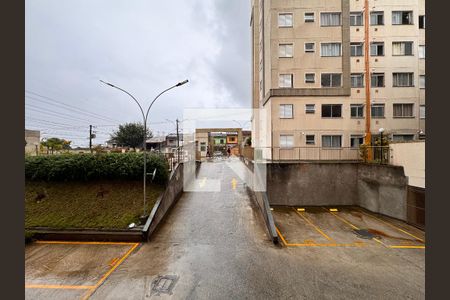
(83, 243)
(315, 227)
(392, 225)
(100, 282)
(408, 247)
(358, 244)
(281, 236)
(353, 226)
(54, 286)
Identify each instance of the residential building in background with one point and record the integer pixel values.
(315, 85)
(32, 142)
(218, 140)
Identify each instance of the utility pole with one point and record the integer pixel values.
(90, 138)
(178, 143)
(368, 136)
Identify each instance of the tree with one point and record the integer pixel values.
(130, 134)
(53, 144)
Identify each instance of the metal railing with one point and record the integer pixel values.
(375, 154)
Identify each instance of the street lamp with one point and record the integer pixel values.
(381, 130)
(145, 118)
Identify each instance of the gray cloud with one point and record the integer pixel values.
(142, 46)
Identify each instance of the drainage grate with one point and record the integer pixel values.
(365, 234)
(163, 284)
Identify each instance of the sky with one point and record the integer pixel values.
(143, 47)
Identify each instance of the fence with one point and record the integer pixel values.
(378, 154)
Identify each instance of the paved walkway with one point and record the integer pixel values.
(213, 246)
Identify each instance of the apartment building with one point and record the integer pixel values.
(314, 83)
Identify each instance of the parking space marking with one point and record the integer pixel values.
(351, 225)
(393, 226)
(104, 277)
(356, 244)
(52, 286)
(115, 262)
(83, 243)
(375, 239)
(314, 226)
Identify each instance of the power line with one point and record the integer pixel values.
(68, 106)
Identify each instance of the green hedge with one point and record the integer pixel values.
(83, 167)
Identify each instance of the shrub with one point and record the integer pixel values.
(84, 167)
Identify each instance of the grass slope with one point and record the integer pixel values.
(100, 204)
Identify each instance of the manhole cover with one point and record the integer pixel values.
(365, 234)
(163, 284)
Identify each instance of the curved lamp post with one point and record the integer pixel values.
(145, 118)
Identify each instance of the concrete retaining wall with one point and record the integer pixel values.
(379, 188)
(172, 193)
(382, 189)
(312, 184)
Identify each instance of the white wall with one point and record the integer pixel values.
(410, 155)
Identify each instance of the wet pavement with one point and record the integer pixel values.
(213, 245)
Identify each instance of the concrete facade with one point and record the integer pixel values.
(411, 156)
(270, 61)
(217, 139)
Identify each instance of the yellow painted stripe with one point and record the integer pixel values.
(53, 286)
(83, 243)
(110, 271)
(342, 219)
(281, 236)
(314, 226)
(408, 247)
(392, 225)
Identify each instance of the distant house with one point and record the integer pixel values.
(156, 143)
(32, 142)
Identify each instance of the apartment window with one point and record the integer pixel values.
(377, 80)
(421, 51)
(330, 79)
(377, 110)
(330, 19)
(331, 110)
(402, 48)
(402, 17)
(286, 141)
(403, 79)
(357, 110)
(285, 80)
(309, 17)
(356, 141)
(331, 141)
(422, 81)
(377, 18)
(402, 137)
(286, 111)
(309, 47)
(403, 110)
(286, 50)
(377, 49)
(357, 80)
(285, 20)
(422, 111)
(422, 22)
(356, 49)
(330, 49)
(310, 139)
(356, 19)
(310, 108)
(310, 77)
(202, 146)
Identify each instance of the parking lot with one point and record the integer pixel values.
(70, 270)
(343, 227)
